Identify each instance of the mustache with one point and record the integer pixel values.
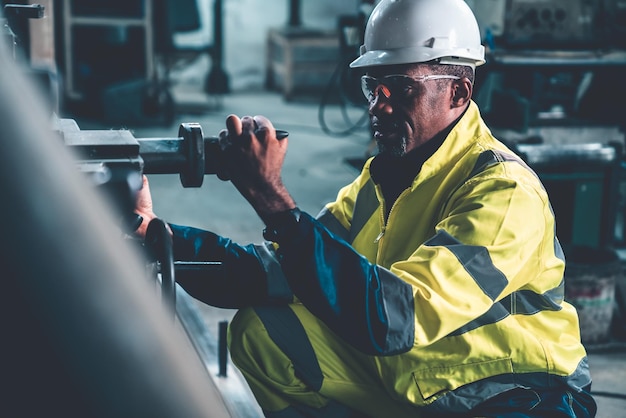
(386, 124)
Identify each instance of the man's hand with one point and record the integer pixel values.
(253, 160)
(143, 207)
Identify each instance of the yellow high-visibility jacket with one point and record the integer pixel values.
(474, 237)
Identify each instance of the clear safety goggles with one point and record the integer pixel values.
(396, 86)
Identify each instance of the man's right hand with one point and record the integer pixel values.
(252, 160)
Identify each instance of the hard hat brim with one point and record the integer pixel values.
(417, 55)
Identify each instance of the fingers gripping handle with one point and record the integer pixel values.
(191, 154)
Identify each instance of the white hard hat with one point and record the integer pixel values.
(413, 31)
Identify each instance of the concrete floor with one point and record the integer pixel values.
(314, 170)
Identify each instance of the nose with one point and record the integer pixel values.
(380, 105)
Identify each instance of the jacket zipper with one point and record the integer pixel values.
(379, 236)
(384, 224)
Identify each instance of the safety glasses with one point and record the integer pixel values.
(397, 86)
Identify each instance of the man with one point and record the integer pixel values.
(432, 286)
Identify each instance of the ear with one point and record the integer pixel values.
(461, 92)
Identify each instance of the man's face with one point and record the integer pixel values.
(408, 110)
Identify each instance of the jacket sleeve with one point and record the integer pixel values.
(247, 275)
(364, 303)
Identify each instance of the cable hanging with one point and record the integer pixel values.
(338, 86)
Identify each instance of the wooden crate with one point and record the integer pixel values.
(300, 59)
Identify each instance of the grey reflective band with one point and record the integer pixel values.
(523, 302)
(527, 302)
(286, 330)
(326, 218)
(475, 260)
(277, 285)
(365, 206)
(485, 160)
(558, 250)
(399, 309)
(467, 396)
(491, 157)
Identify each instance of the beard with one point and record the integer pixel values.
(393, 147)
(390, 135)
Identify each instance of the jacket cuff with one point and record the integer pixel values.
(282, 226)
